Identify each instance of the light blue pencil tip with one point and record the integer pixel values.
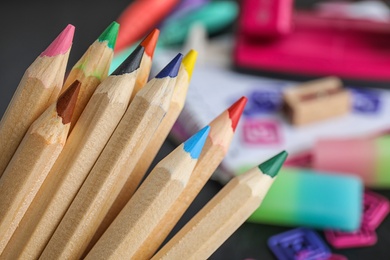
(194, 144)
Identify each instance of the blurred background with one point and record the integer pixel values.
(316, 75)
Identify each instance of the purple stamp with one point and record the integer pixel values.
(365, 101)
(299, 243)
(263, 101)
(261, 131)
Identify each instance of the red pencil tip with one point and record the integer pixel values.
(235, 111)
(150, 41)
(61, 44)
(67, 102)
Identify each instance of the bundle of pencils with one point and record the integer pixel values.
(74, 155)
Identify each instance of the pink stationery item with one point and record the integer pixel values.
(376, 208)
(269, 18)
(360, 238)
(317, 46)
(302, 160)
(336, 257)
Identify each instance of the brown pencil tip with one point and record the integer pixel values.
(149, 43)
(67, 102)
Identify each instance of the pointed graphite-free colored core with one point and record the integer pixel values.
(194, 144)
(172, 68)
(110, 34)
(150, 42)
(189, 62)
(131, 63)
(272, 166)
(67, 102)
(61, 44)
(235, 111)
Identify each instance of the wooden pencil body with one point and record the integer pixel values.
(28, 169)
(90, 70)
(109, 172)
(214, 223)
(175, 107)
(38, 88)
(91, 133)
(212, 154)
(143, 75)
(142, 214)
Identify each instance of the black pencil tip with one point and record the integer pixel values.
(131, 63)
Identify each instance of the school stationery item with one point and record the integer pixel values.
(32, 161)
(175, 107)
(299, 243)
(312, 199)
(154, 200)
(114, 165)
(92, 68)
(87, 140)
(316, 100)
(366, 157)
(37, 90)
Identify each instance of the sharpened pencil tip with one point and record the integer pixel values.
(272, 166)
(189, 62)
(235, 111)
(67, 102)
(110, 34)
(195, 143)
(150, 42)
(131, 63)
(172, 68)
(61, 44)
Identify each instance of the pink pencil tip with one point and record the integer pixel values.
(61, 44)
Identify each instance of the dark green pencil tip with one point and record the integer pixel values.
(272, 166)
(131, 63)
(110, 34)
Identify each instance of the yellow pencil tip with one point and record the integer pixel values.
(189, 62)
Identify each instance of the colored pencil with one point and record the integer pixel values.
(32, 161)
(92, 68)
(175, 107)
(113, 166)
(88, 138)
(140, 17)
(149, 43)
(37, 90)
(217, 144)
(151, 202)
(223, 214)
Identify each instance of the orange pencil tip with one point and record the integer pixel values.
(67, 102)
(150, 42)
(235, 111)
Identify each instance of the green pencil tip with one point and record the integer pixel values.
(110, 34)
(272, 166)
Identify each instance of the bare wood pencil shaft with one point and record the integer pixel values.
(142, 214)
(28, 169)
(38, 88)
(208, 229)
(91, 133)
(113, 166)
(175, 107)
(212, 154)
(90, 76)
(143, 74)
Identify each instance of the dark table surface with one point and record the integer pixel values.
(27, 27)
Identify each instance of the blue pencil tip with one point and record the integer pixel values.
(172, 69)
(194, 144)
